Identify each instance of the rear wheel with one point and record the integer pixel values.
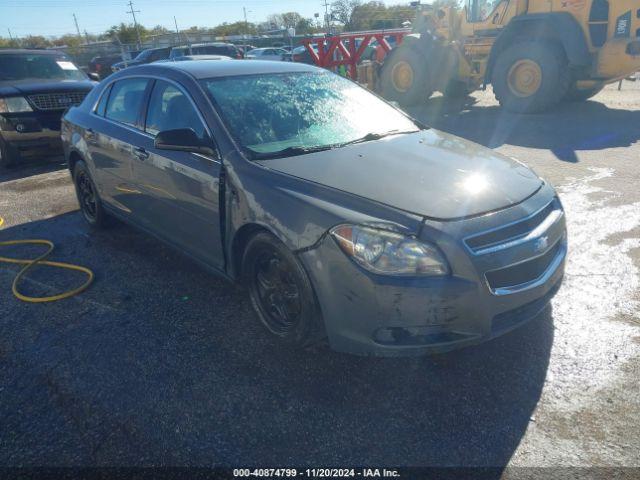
(88, 198)
(580, 95)
(405, 78)
(280, 292)
(530, 77)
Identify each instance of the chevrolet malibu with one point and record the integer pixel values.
(344, 218)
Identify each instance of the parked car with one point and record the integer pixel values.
(343, 216)
(149, 55)
(274, 54)
(245, 48)
(101, 64)
(226, 49)
(194, 58)
(36, 86)
(301, 55)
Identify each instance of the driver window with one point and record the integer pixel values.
(170, 109)
(481, 10)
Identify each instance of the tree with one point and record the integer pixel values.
(126, 33)
(35, 41)
(9, 43)
(291, 19)
(342, 11)
(236, 28)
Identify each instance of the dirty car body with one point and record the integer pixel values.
(414, 241)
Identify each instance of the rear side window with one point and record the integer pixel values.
(125, 100)
(102, 104)
(170, 109)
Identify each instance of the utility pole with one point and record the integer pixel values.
(75, 20)
(10, 36)
(326, 14)
(135, 22)
(86, 36)
(246, 24)
(177, 29)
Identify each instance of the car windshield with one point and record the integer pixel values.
(38, 66)
(271, 114)
(143, 55)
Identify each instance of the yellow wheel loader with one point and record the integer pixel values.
(535, 53)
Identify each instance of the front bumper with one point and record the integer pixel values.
(32, 135)
(370, 314)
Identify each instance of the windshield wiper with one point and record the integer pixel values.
(290, 152)
(369, 137)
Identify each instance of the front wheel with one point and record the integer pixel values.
(530, 77)
(280, 291)
(404, 77)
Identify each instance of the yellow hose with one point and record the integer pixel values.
(30, 263)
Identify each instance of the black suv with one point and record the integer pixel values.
(146, 56)
(36, 87)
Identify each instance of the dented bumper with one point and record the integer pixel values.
(372, 314)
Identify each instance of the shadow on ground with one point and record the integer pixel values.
(568, 129)
(160, 363)
(29, 169)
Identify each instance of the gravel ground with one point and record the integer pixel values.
(160, 363)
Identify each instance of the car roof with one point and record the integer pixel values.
(200, 69)
(14, 51)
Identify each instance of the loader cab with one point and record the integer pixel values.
(485, 11)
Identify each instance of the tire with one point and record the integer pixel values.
(90, 204)
(576, 95)
(281, 293)
(8, 156)
(530, 77)
(405, 77)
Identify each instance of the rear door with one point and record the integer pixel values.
(111, 142)
(180, 188)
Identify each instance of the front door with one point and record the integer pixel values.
(180, 189)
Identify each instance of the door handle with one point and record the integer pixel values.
(141, 153)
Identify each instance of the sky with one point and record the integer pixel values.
(55, 17)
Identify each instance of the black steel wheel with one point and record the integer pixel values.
(280, 291)
(88, 197)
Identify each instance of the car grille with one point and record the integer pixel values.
(57, 101)
(503, 237)
(523, 272)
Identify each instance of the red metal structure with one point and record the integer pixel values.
(347, 48)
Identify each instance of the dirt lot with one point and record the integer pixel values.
(161, 364)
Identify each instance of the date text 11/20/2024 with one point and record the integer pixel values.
(316, 472)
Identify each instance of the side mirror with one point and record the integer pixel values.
(183, 140)
(94, 76)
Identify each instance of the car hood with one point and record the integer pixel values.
(429, 173)
(29, 87)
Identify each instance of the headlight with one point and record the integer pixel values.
(389, 253)
(14, 105)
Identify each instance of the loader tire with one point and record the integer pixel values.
(531, 77)
(405, 78)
